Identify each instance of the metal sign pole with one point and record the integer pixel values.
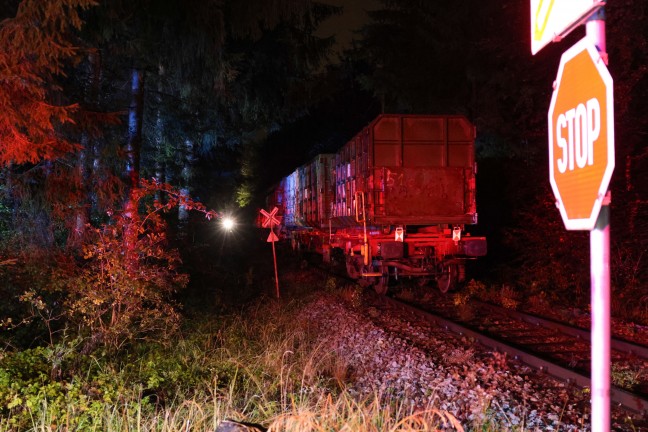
(274, 257)
(600, 280)
(271, 220)
(600, 300)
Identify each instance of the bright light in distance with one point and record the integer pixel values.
(228, 223)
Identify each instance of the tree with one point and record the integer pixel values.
(161, 60)
(276, 85)
(418, 56)
(36, 45)
(124, 289)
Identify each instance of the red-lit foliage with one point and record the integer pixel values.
(123, 289)
(174, 198)
(34, 47)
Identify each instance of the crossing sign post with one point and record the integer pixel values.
(581, 161)
(270, 220)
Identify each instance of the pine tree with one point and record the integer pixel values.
(35, 46)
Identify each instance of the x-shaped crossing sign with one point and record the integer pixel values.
(271, 219)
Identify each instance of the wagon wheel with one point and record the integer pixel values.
(447, 280)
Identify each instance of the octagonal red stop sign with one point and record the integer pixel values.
(581, 135)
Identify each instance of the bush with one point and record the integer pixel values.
(38, 380)
(120, 289)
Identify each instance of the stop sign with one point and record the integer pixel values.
(581, 135)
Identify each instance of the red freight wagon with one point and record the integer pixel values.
(412, 170)
(395, 200)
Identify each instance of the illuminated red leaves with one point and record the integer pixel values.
(34, 47)
(173, 198)
(125, 285)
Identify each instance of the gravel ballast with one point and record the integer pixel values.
(403, 357)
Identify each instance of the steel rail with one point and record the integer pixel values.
(618, 396)
(616, 343)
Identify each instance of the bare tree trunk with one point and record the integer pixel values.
(88, 154)
(96, 62)
(135, 113)
(133, 151)
(158, 154)
(186, 175)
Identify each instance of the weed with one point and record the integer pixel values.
(331, 284)
(538, 302)
(626, 377)
(352, 295)
(509, 297)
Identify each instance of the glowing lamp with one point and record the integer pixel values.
(228, 223)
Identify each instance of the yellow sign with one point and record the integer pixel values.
(541, 18)
(553, 19)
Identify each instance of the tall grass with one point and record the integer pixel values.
(263, 365)
(268, 369)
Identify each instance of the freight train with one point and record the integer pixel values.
(395, 201)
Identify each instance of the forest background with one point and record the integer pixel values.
(126, 127)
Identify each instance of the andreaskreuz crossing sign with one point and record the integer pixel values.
(270, 220)
(581, 135)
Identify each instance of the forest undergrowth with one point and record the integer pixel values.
(260, 364)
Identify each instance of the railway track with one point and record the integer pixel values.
(556, 349)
